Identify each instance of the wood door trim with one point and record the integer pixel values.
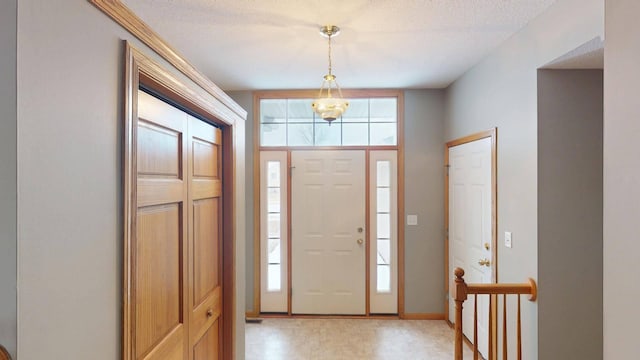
(367, 232)
(140, 69)
(289, 231)
(313, 148)
(229, 143)
(353, 93)
(310, 94)
(124, 16)
(257, 273)
(493, 134)
(400, 200)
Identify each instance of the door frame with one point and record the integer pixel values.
(257, 148)
(142, 70)
(493, 134)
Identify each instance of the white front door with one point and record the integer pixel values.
(327, 232)
(470, 228)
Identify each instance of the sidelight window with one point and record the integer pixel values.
(273, 226)
(273, 233)
(384, 231)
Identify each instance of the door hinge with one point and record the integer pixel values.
(446, 233)
(291, 170)
(447, 168)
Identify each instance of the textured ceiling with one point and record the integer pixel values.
(274, 44)
(589, 55)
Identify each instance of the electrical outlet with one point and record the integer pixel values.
(507, 239)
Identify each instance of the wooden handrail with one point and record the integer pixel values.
(509, 289)
(4, 354)
(462, 290)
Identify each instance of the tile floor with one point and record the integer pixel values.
(349, 339)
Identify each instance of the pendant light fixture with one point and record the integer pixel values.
(326, 105)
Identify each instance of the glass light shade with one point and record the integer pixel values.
(326, 106)
(330, 108)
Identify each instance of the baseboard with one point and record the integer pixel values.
(406, 316)
(422, 316)
(251, 315)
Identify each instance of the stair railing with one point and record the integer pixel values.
(461, 292)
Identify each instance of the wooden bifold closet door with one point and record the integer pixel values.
(177, 277)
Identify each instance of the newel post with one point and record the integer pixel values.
(460, 295)
(4, 354)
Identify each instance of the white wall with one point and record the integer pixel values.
(621, 180)
(570, 214)
(501, 92)
(70, 91)
(8, 167)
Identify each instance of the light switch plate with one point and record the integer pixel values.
(412, 219)
(507, 239)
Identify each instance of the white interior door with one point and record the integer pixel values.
(470, 228)
(327, 232)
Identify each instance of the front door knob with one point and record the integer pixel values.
(484, 262)
(359, 241)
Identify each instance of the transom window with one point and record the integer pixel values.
(292, 122)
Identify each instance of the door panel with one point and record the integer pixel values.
(177, 293)
(170, 348)
(162, 156)
(205, 314)
(328, 253)
(206, 252)
(159, 273)
(205, 198)
(470, 225)
(204, 165)
(159, 250)
(207, 348)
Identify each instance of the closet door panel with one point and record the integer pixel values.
(159, 271)
(205, 238)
